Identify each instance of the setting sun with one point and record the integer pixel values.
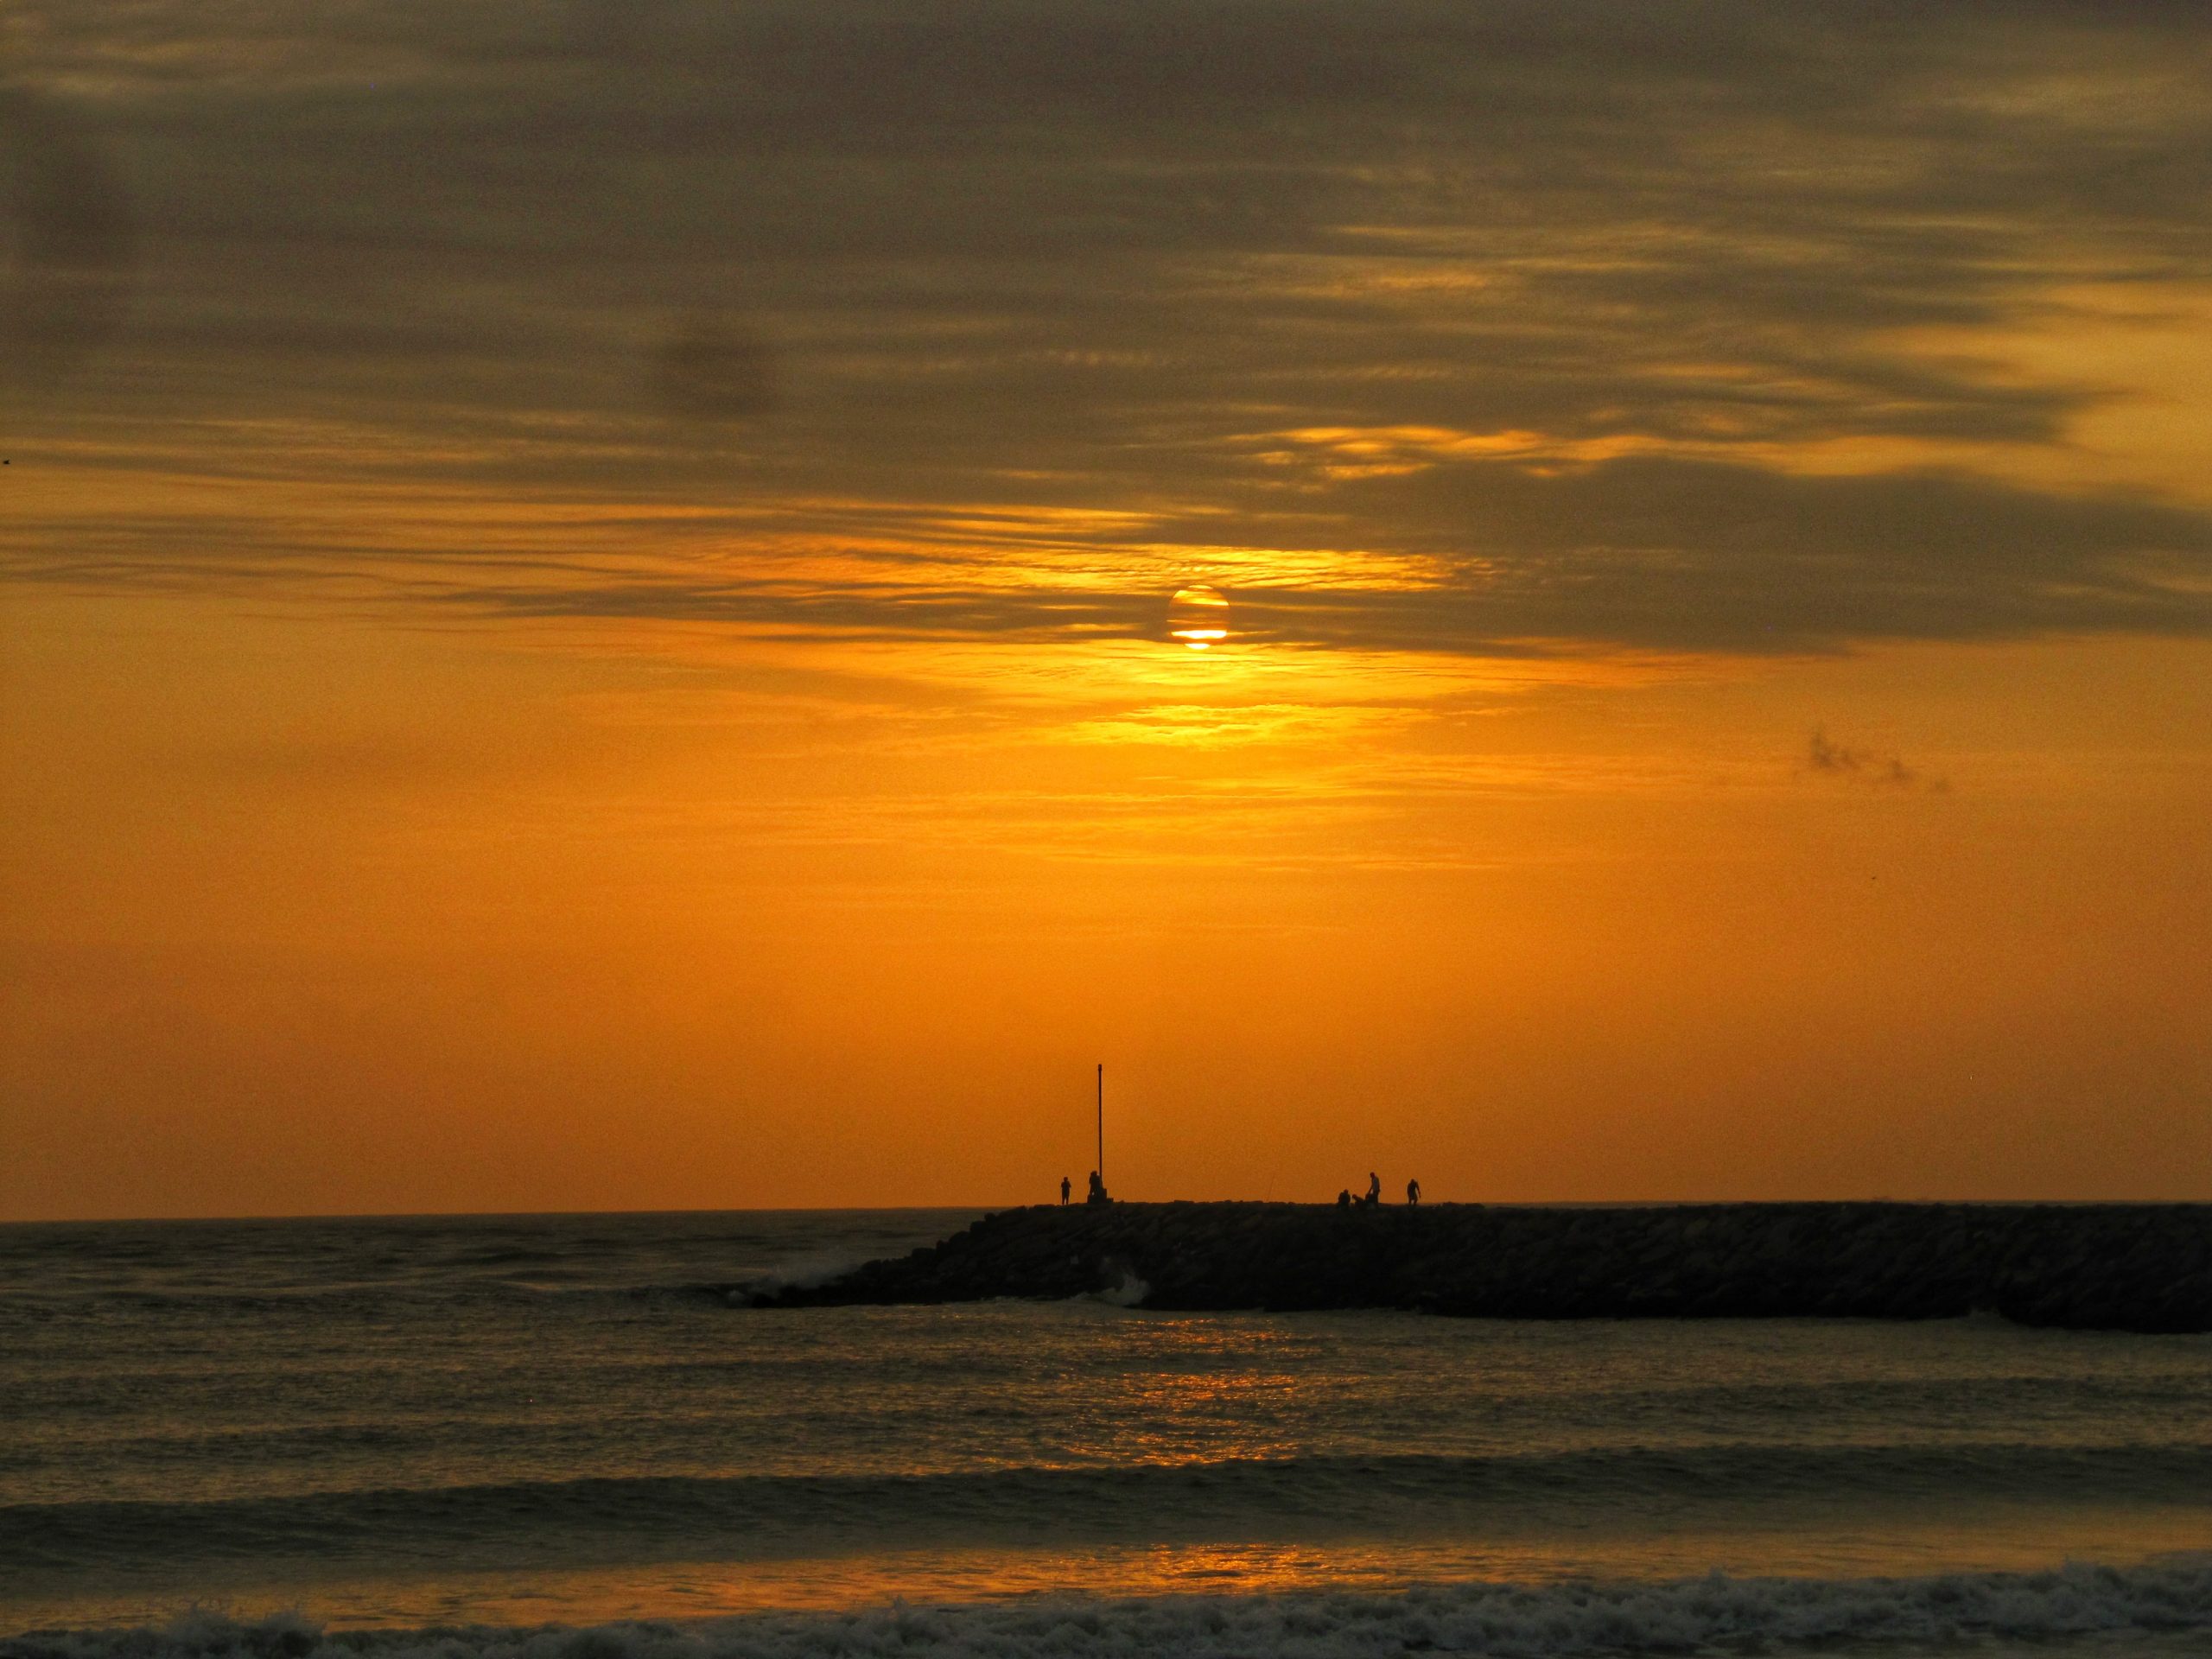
(1198, 616)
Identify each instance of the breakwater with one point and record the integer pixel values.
(2114, 1267)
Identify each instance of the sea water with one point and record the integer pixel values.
(440, 1437)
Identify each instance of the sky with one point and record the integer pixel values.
(585, 601)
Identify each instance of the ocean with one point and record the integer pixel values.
(558, 1438)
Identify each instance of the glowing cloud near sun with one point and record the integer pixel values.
(1198, 616)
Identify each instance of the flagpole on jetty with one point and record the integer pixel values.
(1102, 1124)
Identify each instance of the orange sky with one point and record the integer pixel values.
(583, 605)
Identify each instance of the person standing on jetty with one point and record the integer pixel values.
(1413, 1191)
(1373, 1188)
(1097, 1194)
(1065, 1187)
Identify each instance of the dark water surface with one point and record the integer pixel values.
(505, 1420)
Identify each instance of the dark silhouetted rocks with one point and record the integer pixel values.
(2105, 1265)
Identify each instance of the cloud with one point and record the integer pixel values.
(1060, 257)
(1865, 766)
(66, 229)
(712, 370)
(1650, 554)
(1666, 552)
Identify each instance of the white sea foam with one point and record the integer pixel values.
(800, 1273)
(1127, 1291)
(1509, 1622)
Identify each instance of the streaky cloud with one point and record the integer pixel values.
(807, 272)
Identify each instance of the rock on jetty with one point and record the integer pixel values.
(2104, 1266)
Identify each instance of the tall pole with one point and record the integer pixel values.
(1102, 1123)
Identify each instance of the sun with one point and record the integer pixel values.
(1198, 616)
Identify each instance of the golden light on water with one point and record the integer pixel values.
(1198, 617)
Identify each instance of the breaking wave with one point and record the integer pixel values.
(1511, 1622)
(765, 1516)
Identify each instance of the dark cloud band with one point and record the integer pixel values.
(1369, 285)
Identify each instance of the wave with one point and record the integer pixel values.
(367, 1299)
(766, 1517)
(1509, 1622)
(99, 1261)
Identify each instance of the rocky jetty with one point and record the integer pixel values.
(2107, 1266)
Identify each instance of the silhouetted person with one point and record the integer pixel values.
(1066, 1186)
(1373, 1188)
(1343, 1200)
(1413, 1191)
(1097, 1194)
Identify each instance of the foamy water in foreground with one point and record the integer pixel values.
(365, 1429)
